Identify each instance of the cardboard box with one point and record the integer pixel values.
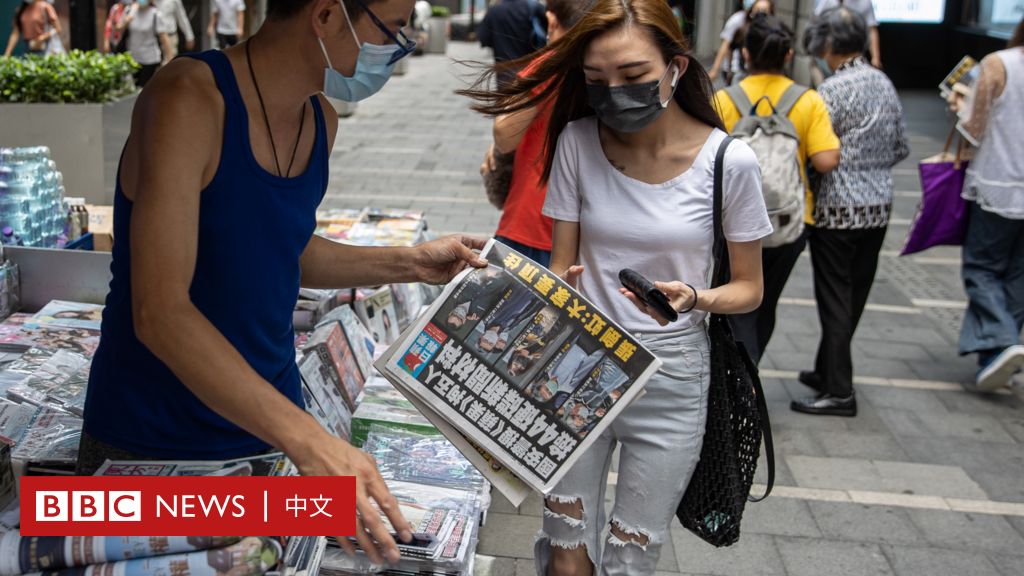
(101, 224)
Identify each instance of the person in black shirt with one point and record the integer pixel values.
(508, 28)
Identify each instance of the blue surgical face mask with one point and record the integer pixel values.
(373, 66)
(747, 4)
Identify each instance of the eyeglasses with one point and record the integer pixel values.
(405, 45)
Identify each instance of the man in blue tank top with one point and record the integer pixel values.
(215, 210)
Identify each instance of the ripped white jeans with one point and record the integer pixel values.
(661, 435)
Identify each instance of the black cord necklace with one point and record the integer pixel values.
(266, 120)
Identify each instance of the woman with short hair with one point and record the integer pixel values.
(853, 205)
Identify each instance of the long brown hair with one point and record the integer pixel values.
(1017, 41)
(557, 71)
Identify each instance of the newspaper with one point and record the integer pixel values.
(961, 80)
(252, 556)
(269, 464)
(514, 358)
(22, 554)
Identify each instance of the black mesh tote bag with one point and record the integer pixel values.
(737, 420)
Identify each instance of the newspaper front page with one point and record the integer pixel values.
(521, 364)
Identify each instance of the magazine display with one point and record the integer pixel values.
(447, 515)
(14, 421)
(61, 314)
(57, 382)
(322, 395)
(302, 556)
(336, 360)
(23, 554)
(51, 439)
(358, 338)
(514, 358)
(377, 312)
(252, 556)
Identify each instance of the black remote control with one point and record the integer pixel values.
(644, 290)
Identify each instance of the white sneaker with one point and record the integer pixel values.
(998, 374)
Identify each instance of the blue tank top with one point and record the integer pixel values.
(253, 228)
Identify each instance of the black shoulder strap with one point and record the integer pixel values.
(721, 256)
(718, 247)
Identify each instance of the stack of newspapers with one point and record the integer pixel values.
(137, 556)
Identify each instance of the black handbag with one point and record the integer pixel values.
(737, 419)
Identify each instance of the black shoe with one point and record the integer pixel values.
(810, 378)
(826, 405)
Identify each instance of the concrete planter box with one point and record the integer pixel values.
(438, 41)
(75, 134)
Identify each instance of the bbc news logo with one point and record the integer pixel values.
(88, 506)
(187, 506)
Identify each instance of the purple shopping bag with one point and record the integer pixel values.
(941, 219)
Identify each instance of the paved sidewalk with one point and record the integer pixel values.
(927, 480)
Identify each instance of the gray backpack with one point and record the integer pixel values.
(776, 144)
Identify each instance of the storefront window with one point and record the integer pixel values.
(999, 17)
(911, 11)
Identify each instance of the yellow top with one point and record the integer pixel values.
(809, 116)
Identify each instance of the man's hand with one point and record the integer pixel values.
(334, 457)
(679, 296)
(438, 261)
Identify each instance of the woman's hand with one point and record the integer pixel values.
(571, 276)
(489, 164)
(680, 297)
(330, 456)
(438, 261)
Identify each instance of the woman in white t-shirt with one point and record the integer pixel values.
(631, 186)
(729, 59)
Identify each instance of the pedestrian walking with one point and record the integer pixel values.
(35, 22)
(200, 165)
(114, 40)
(142, 23)
(729, 59)
(792, 130)
(522, 133)
(853, 205)
(993, 252)
(631, 186)
(513, 29)
(174, 18)
(227, 22)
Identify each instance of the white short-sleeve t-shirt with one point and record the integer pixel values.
(663, 231)
(227, 16)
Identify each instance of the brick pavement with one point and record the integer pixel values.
(925, 481)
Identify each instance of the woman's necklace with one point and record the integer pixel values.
(266, 120)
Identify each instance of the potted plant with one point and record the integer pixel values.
(60, 101)
(439, 21)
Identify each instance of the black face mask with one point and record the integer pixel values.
(631, 107)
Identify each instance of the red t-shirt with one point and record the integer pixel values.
(521, 220)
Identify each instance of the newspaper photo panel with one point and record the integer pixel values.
(521, 364)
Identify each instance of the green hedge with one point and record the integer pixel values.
(75, 77)
(439, 12)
